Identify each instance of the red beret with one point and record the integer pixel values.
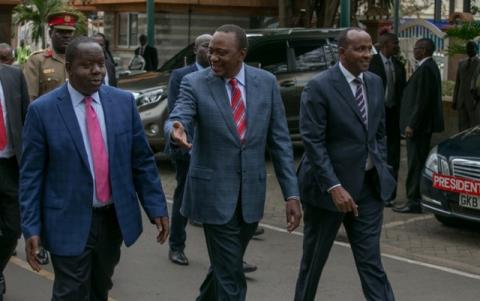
(62, 20)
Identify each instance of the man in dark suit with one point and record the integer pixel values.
(463, 100)
(149, 53)
(86, 164)
(392, 73)
(343, 175)
(181, 158)
(421, 115)
(14, 101)
(237, 111)
(111, 74)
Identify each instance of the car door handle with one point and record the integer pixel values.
(288, 83)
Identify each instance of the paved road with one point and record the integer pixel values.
(424, 260)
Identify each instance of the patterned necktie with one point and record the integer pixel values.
(238, 109)
(3, 130)
(99, 153)
(360, 100)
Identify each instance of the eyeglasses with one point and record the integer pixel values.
(415, 48)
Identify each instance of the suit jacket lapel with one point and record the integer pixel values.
(252, 102)
(343, 87)
(108, 112)
(370, 101)
(7, 87)
(217, 87)
(67, 112)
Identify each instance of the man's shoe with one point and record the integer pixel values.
(178, 257)
(259, 231)
(3, 287)
(249, 268)
(389, 204)
(408, 209)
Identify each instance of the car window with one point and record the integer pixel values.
(314, 55)
(271, 56)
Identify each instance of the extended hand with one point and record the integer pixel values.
(32, 248)
(293, 213)
(179, 136)
(408, 132)
(343, 201)
(162, 226)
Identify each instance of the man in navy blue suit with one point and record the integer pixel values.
(343, 176)
(181, 158)
(86, 165)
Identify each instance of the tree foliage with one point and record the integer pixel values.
(36, 12)
(459, 35)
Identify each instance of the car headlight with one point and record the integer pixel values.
(436, 163)
(150, 97)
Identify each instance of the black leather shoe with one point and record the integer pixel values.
(3, 287)
(408, 209)
(249, 268)
(195, 223)
(178, 257)
(259, 231)
(389, 204)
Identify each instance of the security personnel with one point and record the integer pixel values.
(45, 69)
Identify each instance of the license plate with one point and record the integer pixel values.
(469, 201)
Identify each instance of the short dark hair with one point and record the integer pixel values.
(472, 44)
(72, 48)
(386, 37)
(343, 40)
(239, 34)
(428, 44)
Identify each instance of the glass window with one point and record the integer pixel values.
(127, 29)
(271, 56)
(314, 55)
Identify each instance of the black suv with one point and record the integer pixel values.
(293, 55)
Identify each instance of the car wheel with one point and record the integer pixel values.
(448, 221)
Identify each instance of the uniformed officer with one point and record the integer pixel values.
(45, 69)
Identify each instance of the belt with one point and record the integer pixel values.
(103, 209)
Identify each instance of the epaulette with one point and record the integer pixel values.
(48, 52)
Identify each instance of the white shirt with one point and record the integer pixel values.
(240, 77)
(419, 63)
(7, 152)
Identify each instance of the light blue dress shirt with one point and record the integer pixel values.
(241, 85)
(79, 108)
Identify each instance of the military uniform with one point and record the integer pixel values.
(44, 71)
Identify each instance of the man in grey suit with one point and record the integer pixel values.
(14, 102)
(343, 175)
(463, 101)
(238, 111)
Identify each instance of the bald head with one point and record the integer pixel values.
(6, 54)
(200, 49)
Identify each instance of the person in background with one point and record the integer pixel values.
(111, 75)
(343, 175)
(6, 54)
(45, 69)
(14, 101)
(148, 52)
(237, 111)
(86, 169)
(463, 100)
(392, 72)
(421, 115)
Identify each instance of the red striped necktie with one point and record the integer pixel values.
(238, 109)
(3, 130)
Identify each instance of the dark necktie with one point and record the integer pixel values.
(360, 100)
(390, 84)
(238, 109)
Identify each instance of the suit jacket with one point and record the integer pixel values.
(223, 171)
(56, 185)
(462, 97)
(422, 100)
(16, 96)
(337, 142)
(112, 74)
(377, 67)
(150, 56)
